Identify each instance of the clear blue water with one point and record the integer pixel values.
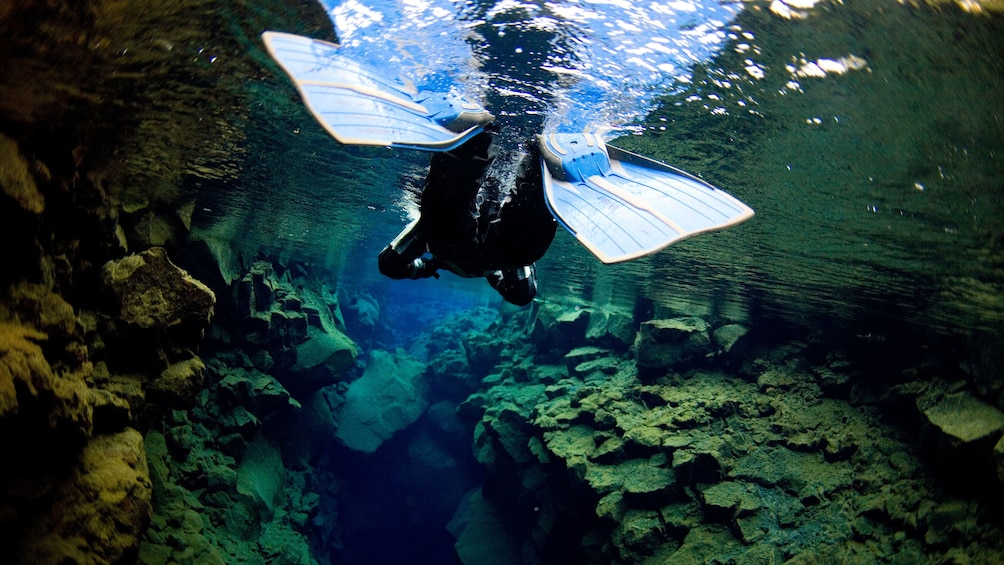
(867, 136)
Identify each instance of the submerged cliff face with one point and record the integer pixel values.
(95, 347)
(99, 328)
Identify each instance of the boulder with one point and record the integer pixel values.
(966, 436)
(611, 328)
(662, 345)
(260, 477)
(728, 335)
(59, 403)
(388, 397)
(557, 328)
(100, 512)
(16, 179)
(484, 538)
(965, 419)
(178, 384)
(151, 292)
(320, 361)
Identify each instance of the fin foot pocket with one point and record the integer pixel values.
(622, 206)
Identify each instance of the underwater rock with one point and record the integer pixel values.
(260, 392)
(705, 544)
(611, 328)
(111, 412)
(151, 231)
(388, 397)
(965, 419)
(291, 326)
(639, 533)
(662, 345)
(581, 355)
(647, 479)
(728, 335)
(150, 293)
(362, 310)
(45, 310)
(559, 329)
(966, 434)
(260, 476)
(16, 179)
(100, 511)
(483, 352)
(320, 361)
(56, 403)
(485, 538)
(725, 501)
(178, 384)
(707, 456)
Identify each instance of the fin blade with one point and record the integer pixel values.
(359, 106)
(633, 207)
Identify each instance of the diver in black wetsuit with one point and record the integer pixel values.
(471, 227)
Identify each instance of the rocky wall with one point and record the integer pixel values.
(708, 442)
(95, 345)
(235, 477)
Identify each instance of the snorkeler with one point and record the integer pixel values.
(473, 227)
(619, 205)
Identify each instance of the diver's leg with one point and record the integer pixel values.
(517, 286)
(455, 177)
(525, 226)
(402, 259)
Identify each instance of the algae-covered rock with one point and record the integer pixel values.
(101, 510)
(44, 309)
(260, 392)
(177, 385)
(57, 402)
(151, 292)
(728, 335)
(611, 328)
(581, 355)
(388, 397)
(260, 476)
(639, 533)
(727, 500)
(16, 179)
(966, 419)
(560, 329)
(632, 477)
(704, 544)
(662, 344)
(321, 360)
(574, 443)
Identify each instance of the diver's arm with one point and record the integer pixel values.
(402, 259)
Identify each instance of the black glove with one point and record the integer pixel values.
(424, 268)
